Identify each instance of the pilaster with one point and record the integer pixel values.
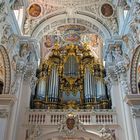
(6, 103)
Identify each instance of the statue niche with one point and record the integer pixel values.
(71, 78)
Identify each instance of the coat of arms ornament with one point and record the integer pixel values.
(69, 124)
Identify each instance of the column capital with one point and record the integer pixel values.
(132, 99)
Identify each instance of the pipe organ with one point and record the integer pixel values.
(71, 78)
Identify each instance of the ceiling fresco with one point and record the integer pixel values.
(38, 10)
(72, 34)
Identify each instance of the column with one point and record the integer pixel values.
(24, 106)
(3, 123)
(16, 108)
(6, 104)
(126, 109)
(118, 106)
(136, 121)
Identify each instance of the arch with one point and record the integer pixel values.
(7, 70)
(83, 134)
(50, 22)
(134, 71)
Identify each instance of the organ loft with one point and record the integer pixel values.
(69, 69)
(71, 77)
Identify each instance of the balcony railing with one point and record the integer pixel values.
(87, 117)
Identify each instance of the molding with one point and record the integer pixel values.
(7, 100)
(132, 99)
(7, 67)
(53, 22)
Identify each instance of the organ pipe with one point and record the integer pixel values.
(41, 88)
(71, 76)
(53, 85)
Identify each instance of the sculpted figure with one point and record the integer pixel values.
(3, 12)
(106, 134)
(121, 60)
(20, 60)
(135, 28)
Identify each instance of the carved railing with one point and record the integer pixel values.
(87, 117)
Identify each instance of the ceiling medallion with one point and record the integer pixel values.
(34, 10)
(107, 10)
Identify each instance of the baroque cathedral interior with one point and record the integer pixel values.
(69, 69)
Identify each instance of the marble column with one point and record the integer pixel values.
(136, 121)
(117, 104)
(24, 105)
(3, 123)
(6, 104)
(126, 109)
(16, 108)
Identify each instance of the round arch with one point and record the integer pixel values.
(86, 134)
(134, 71)
(47, 24)
(7, 70)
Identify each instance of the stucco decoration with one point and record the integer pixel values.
(117, 64)
(135, 23)
(3, 11)
(3, 113)
(7, 70)
(16, 4)
(70, 124)
(103, 12)
(136, 111)
(33, 132)
(106, 133)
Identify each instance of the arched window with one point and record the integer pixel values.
(1, 87)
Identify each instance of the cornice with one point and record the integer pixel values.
(7, 99)
(132, 99)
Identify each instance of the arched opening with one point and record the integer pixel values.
(1, 87)
(135, 72)
(5, 71)
(79, 135)
(71, 72)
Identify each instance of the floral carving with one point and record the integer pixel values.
(3, 113)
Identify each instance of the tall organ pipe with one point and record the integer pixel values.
(53, 85)
(100, 89)
(89, 86)
(41, 88)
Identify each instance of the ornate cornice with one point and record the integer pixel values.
(132, 99)
(7, 99)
